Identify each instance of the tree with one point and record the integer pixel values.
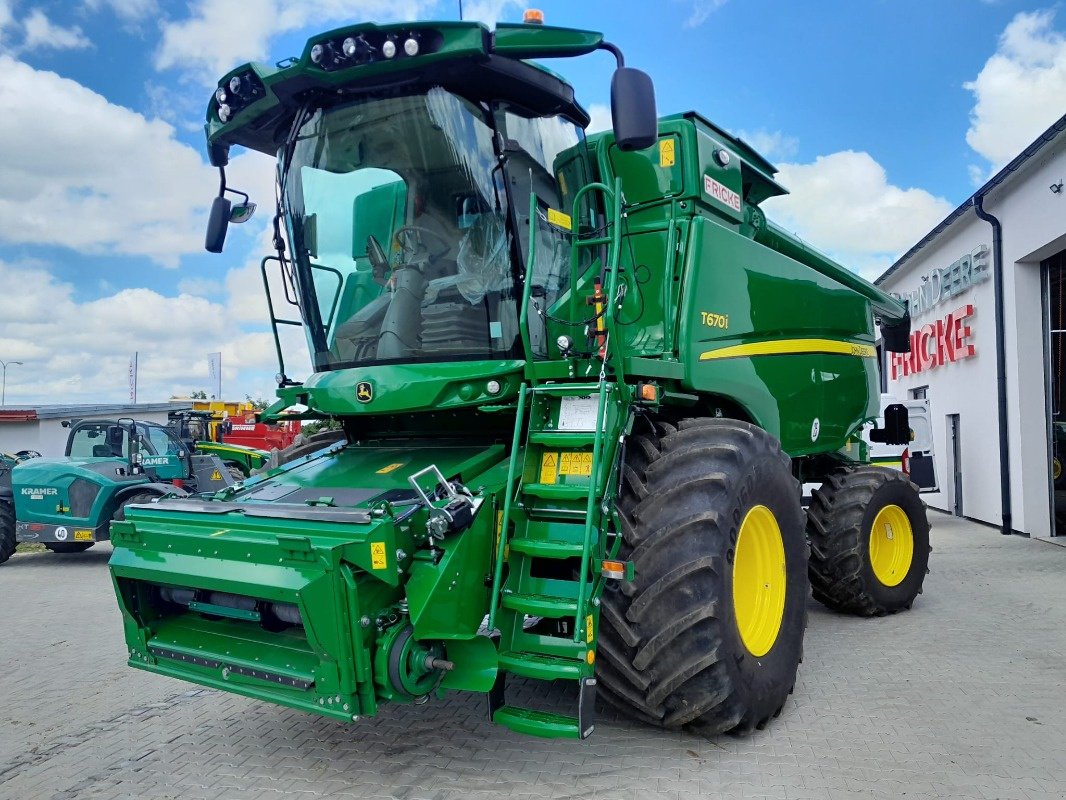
(199, 395)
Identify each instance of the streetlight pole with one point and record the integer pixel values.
(3, 385)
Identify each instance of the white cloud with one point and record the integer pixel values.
(701, 10)
(7, 18)
(489, 11)
(209, 44)
(601, 118)
(128, 10)
(79, 351)
(843, 204)
(1021, 90)
(770, 144)
(102, 179)
(42, 33)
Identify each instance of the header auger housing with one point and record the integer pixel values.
(579, 381)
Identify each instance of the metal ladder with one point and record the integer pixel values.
(553, 556)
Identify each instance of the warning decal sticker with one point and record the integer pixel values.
(559, 219)
(575, 464)
(549, 464)
(378, 559)
(666, 152)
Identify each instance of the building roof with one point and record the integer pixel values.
(41, 412)
(1041, 141)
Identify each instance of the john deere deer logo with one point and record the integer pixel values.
(364, 392)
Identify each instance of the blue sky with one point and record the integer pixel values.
(882, 116)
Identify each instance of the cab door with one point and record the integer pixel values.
(922, 464)
(164, 457)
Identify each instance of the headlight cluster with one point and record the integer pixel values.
(350, 50)
(234, 94)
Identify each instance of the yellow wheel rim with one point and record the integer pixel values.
(891, 545)
(1056, 469)
(759, 580)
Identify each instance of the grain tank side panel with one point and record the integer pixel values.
(788, 343)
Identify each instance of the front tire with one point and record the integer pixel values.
(8, 543)
(869, 540)
(710, 631)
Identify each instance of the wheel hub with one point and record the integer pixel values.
(891, 545)
(759, 580)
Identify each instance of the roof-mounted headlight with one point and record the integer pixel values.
(366, 47)
(236, 93)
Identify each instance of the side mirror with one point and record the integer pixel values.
(633, 109)
(897, 428)
(897, 338)
(242, 212)
(217, 224)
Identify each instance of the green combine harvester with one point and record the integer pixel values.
(581, 381)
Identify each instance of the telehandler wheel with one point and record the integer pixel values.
(137, 497)
(68, 547)
(710, 631)
(869, 541)
(7, 531)
(235, 472)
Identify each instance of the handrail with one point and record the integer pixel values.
(527, 284)
(505, 521)
(590, 508)
(274, 320)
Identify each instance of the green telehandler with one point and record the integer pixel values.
(580, 380)
(68, 504)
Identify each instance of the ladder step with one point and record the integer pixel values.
(540, 605)
(562, 439)
(565, 389)
(537, 723)
(556, 491)
(542, 666)
(546, 548)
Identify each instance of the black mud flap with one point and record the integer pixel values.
(586, 707)
(498, 694)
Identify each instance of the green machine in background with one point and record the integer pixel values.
(580, 381)
(193, 429)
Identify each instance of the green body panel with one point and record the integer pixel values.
(247, 458)
(482, 490)
(329, 570)
(760, 291)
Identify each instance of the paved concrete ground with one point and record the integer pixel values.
(963, 697)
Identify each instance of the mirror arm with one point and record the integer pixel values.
(613, 49)
(223, 188)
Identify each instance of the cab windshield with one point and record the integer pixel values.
(398, 217)
(405, 220)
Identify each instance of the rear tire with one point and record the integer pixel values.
(848, 554)
(7, 531)
(671, 648)
(65, 548)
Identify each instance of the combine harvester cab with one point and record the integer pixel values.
(579, 383)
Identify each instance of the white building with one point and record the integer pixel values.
(40, 428)
(979, 398)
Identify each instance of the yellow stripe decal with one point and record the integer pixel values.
(792, 347)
